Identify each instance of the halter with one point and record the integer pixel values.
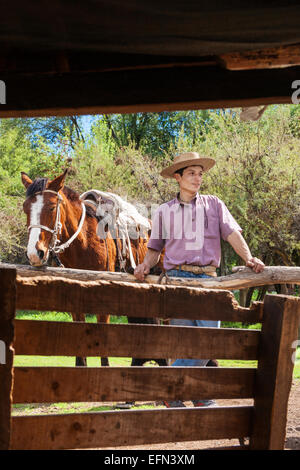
(53, 245)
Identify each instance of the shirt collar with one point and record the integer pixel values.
(196, 200)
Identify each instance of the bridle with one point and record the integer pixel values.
(54, 246)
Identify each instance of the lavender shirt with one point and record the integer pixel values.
(191, 233)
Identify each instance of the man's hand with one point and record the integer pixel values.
(150, 260)
(256, 264)
(141, 271)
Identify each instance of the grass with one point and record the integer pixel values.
(57, 408)
(67, 408)
(64, 361)
(61, 316)
(55, 361)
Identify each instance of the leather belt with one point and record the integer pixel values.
(209, 270)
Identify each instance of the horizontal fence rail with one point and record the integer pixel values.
(242, 277)
(99, 339)
(133, 300)
(105, 429)
(86, 384)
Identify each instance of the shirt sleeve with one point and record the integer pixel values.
(227, 222)
(156, 241)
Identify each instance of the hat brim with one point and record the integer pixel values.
(206, 163)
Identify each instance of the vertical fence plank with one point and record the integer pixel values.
(7, 313)
(275, 371)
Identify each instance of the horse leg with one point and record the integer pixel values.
(80, 361)
(103, 319)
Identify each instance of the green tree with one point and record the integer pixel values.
(153, 133)
(52, 130)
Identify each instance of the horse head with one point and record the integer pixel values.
(42, 207)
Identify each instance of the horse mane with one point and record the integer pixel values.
(40, 184)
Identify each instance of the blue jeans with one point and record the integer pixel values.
(185, 322)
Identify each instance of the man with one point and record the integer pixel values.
(190, 228)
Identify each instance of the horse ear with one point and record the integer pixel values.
(58, 183)
(25, 179)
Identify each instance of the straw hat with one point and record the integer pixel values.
(187, 159)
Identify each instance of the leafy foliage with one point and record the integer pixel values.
(256, 174)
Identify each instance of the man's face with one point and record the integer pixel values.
(191, 178)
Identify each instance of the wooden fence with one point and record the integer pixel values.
(269, 384)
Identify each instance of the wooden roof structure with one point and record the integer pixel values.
(102, 56)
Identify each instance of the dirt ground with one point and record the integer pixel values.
(292, 441)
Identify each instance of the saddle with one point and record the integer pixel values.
(123, 220)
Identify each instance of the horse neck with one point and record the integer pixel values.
(70, 217)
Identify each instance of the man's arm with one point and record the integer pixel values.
(240, 246)
(150, 260)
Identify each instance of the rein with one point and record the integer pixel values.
(54, 247)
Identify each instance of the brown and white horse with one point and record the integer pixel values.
(55, 212)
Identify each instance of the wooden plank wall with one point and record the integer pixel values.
(56, 384)
(107, 429)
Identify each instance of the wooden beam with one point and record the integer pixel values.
(273, 57)
(7, 313)
(241, 278)
(102, 340)
(132, 300)
(128, 91)
(135, 427)
(49, 62)
(275, 372)
(105, 384)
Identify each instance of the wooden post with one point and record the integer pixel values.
(7, 313)
(243, 297)
(274, 373)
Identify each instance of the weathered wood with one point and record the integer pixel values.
(101, 340)
(241, 278)
(105, 429)
(270, 384)
(7, 313)
(275, 370)
(102, 384)
(172, 89)
(92, 61)
(273, 57)
(269, 276)
(133, 300)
